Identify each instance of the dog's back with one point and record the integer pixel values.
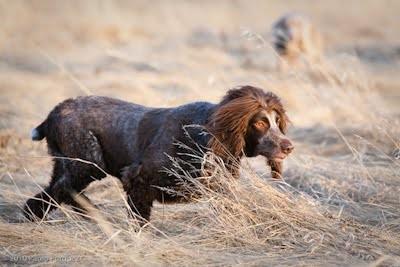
(92, 128)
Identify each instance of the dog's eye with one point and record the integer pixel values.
(260, 125)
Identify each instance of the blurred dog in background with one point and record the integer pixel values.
(296, 40)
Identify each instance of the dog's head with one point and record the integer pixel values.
(265, 136)
(250, 121)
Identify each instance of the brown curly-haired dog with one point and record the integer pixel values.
(293, 37)
(131, 142)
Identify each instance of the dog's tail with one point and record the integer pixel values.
(39, 132)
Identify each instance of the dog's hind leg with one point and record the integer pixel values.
(83, 173)
(76, 178)
(65, 193)
(39, 205)
(43, 202)
(69, 176)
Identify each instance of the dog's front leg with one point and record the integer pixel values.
(276, 169)
(140, 195)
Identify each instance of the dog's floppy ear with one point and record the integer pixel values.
(228, 127)
(229, 122)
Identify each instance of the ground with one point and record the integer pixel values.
(339, 203)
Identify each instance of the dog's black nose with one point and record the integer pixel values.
(286, 146)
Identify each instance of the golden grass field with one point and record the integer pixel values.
(339, 203)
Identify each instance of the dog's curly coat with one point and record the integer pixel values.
(131, 142)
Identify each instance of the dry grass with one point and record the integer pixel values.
(339, 203)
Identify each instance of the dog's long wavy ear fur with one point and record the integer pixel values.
(228, 124)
